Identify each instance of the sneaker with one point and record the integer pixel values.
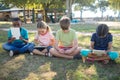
(49, 55)
(31, 53)
(77, 56)
(11, 53)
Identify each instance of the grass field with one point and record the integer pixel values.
(27, 67)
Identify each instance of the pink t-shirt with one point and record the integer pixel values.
(44, 39)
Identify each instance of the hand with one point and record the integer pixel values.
(36, 42)
(40, 43)
(93, 54)
(13, 38)
(61, 51)
(21, 38)
(68, 51)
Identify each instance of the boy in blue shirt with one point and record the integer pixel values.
(16, 46)
(101, 40)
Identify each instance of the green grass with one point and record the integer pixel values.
(27, 67)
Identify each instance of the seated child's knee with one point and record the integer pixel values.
(113, 55)
(48, 48)
(31, 47)
(31, 44)
(85, 52)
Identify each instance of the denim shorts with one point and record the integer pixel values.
(42, 48)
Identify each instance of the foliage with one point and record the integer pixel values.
(51, 6)
(115, 4)
(102, 5)
(46, 5)
(83, 5)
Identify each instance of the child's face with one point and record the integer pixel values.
(42, 31)
(16, 24)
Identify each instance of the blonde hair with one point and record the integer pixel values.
(43, 25)
(64, 23)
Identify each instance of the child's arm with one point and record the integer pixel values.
(57, 48)
(11, 39)
(25, 40)
(56, 45)
(37, 42)
(92, 45)
(75, 45)
(52, 42)
(109, 47)
(52, 39)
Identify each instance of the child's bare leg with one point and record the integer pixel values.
(102, 58)
(35, 51)
(44, 51)
(77, 51)
(57, 54)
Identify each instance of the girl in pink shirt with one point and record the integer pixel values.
(44, 39)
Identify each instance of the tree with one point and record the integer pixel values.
(83, 5)
(69, 8)
(115, 5)
(47, 5)
(17, 3)
(102, 5)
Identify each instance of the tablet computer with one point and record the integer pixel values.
(15, 32)
(99, 52)
(40, 46)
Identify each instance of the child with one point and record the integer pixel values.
(20, 45)
(101, 40)
(66, 44)
(43, 38)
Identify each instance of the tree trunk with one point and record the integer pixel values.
(45, 15)
(69, 8)
(102, 15)
(33, 15)
(81, 15)
(24, 15)
(119, 16)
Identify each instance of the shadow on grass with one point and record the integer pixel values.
(27, 67)
(38, 67)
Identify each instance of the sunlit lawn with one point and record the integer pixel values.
(27, 67)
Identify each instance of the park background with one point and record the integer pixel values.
(27, 67)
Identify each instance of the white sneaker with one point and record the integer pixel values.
(49, 55)
(11, 53)
(31, 53)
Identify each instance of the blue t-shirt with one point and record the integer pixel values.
(101, 43)
(23, 33)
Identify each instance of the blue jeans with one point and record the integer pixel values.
(20, 48)
(41, 48)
